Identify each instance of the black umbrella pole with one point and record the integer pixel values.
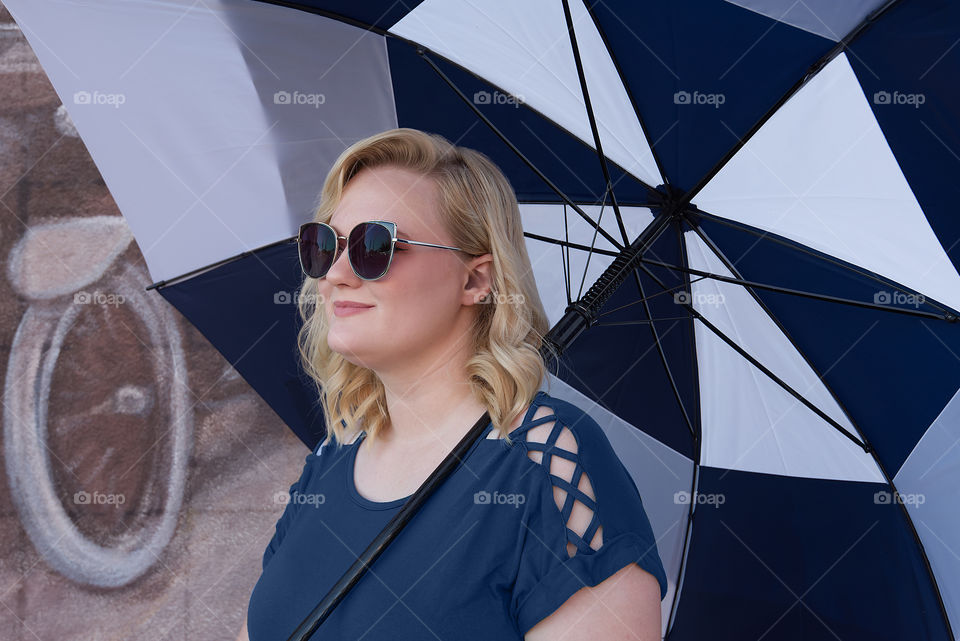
(582, 313)
(389, 532)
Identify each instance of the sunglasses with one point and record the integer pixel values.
(370, 248)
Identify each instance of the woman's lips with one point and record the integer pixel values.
(349, 309)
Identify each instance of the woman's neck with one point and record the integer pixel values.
(433, 408)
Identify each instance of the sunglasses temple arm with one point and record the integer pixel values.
(417, 242)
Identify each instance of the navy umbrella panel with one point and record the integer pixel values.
(778, 365)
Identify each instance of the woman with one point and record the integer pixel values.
(540, 532)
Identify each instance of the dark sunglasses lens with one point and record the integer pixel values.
(370, 249)
(318, 247)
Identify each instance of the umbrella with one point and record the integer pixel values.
(738, 212)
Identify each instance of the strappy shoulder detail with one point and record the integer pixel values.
(553, 445)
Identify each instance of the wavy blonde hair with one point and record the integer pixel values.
(479, 209)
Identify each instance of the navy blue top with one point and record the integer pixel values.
(484, 558)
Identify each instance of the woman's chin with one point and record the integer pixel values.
(351, 350)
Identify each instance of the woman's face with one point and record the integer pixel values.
(420, 311)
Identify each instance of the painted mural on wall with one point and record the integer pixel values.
(140, 471)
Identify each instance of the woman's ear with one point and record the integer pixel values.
(479, 283)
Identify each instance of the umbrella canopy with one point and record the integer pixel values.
(739, 215)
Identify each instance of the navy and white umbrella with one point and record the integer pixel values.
(777, 361)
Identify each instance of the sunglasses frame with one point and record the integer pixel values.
(391, 228)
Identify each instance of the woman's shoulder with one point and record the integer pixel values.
(565, 441)
(580, 469)
(330, 442)
(549, 415)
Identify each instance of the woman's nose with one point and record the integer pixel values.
(340, 270)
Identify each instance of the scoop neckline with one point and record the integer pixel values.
(352, 486)
(361, 500)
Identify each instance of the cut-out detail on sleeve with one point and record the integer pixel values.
(554, 446)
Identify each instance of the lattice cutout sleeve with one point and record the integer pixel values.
(554, 446)
(588, 482)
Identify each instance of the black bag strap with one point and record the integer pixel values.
(389, 532)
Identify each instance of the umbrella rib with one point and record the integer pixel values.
(697, 440)
(948, 313)
(641, 322)
(776, 379)
(637, 302)
(565, 255)
(569, 244)
(802, 293)
(219, 263)
(695, 480)
(588, 104)
(593, 241)
(593, 129)
(662, 353)
(613, 241)
(812, 71)
(627, 89)
(733, 270)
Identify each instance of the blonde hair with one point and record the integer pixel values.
(479, 209)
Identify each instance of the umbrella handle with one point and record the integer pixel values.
(389, 532)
